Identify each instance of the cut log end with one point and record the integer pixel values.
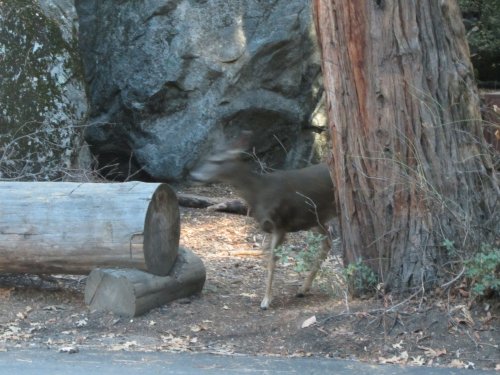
(161, 231)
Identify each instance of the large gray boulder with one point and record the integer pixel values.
(167, 79)
(42, 93)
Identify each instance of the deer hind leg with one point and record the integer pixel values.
(276, 240)
(321, 256)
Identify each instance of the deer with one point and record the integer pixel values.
(281, 202)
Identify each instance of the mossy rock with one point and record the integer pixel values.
(42, 94)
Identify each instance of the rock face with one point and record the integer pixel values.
(167, 79)
(42, 94)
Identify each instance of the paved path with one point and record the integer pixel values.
(50, 362)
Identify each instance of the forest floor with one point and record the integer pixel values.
(431, 329)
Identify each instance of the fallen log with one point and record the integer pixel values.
(196, 201)
(65, 227)
(130, 292)
(234, 206)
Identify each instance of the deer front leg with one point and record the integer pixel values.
(325, 248)
(276, 240)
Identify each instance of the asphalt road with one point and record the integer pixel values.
(40, 362)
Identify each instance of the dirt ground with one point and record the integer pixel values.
(444, 330)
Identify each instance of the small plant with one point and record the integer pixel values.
(303, 258)
(484, 271)
(450, 247)
(361, 280)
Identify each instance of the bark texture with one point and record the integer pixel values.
(408, 156)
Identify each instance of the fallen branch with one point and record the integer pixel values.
(234, 206)
(196, 201)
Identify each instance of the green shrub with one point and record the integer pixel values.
(304, 257)
(361, 280)
(484, 271)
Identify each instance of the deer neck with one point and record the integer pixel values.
(246, 182)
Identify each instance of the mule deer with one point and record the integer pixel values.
(281, 201)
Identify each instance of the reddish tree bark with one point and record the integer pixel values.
(408, 151)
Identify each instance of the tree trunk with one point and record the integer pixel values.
(67, 227)
(413, 180)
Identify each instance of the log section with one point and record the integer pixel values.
(65, 227)
(130, 292)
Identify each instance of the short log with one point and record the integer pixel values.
(130, 292)
(66, 227)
